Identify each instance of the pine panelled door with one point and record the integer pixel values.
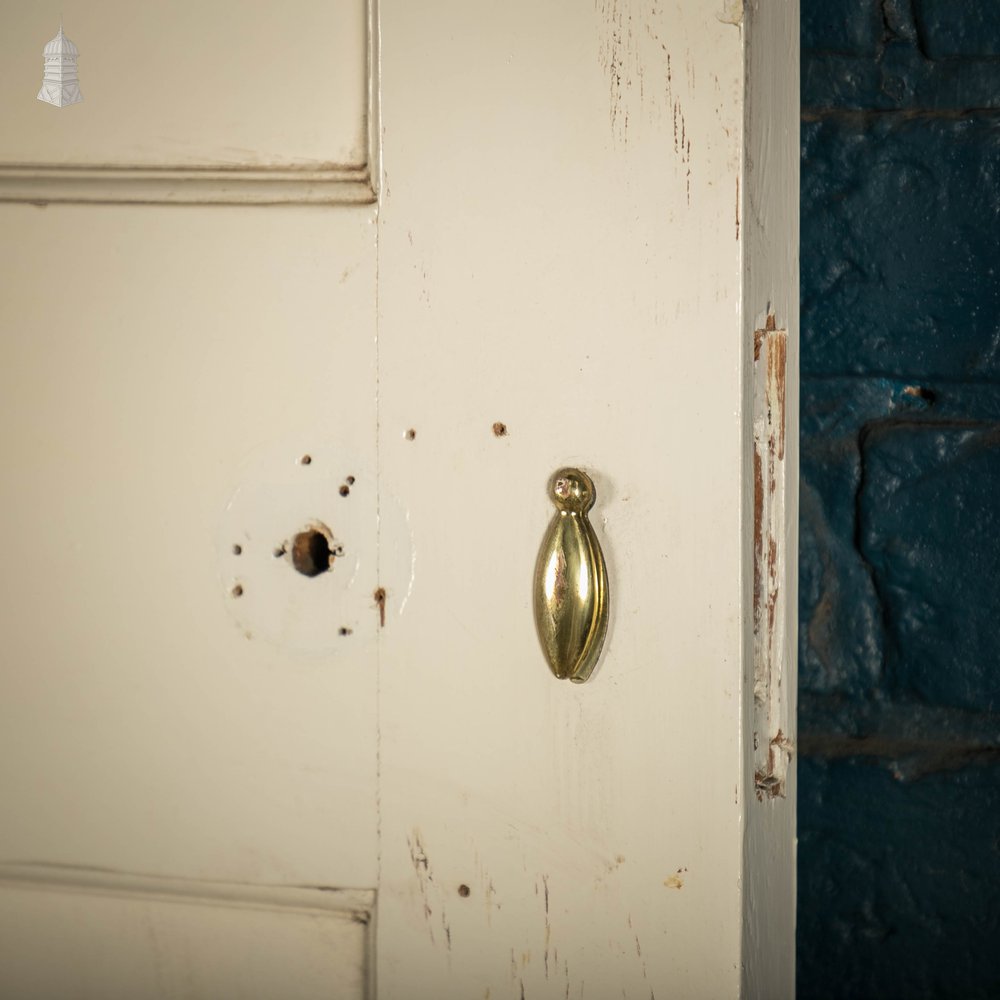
(303, 307)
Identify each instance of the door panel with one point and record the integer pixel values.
(161, 367)
(228, 83)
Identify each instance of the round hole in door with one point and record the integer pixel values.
(311, 551)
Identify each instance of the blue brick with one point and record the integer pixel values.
(899, 884)
(929, 530)
(899, 235)
(841, 643)
(892, 55)
(846, 27)
(856, 636)
(950, 29)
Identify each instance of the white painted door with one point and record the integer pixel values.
(325, 287)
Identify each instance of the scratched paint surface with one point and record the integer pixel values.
(642, 90)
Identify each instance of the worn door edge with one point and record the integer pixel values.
(767, 206)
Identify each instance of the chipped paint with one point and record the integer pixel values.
(732, 12)
(770, 348)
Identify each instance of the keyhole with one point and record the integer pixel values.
(311, 553)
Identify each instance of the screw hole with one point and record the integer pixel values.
(344, 631)
(345, 491)
(500, 429)
(237, 550)
(463, 891)
(350, 480)
(411, 434)
(305, 460)
(237, 590)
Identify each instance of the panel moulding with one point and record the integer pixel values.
(42, 184)
(353, 905)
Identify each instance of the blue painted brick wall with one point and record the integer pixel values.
(899, 725)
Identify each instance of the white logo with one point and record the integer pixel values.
(60, 85)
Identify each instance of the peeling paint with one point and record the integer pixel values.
(675, 881)
(770, 347)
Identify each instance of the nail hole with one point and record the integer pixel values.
(500, 429)
(463, 891)
(344, 631)
(345, 491)
(311, 553)
(411, 434)
(305, 460)
(237, 550)
(237, 590)
(280, 551)
(350, 480)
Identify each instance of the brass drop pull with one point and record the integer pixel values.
(571, 581)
